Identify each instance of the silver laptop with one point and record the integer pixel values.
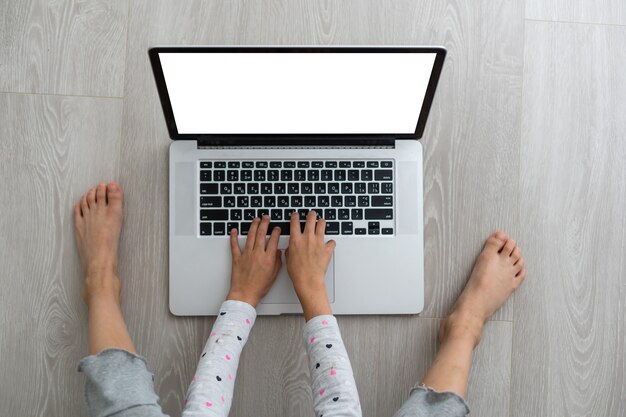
(272, 130)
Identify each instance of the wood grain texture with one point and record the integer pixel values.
(569, 332)
(52, 149)
(597, 11)
(63, 47)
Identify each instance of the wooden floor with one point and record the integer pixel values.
(526, 134)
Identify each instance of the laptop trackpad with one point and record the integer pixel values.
(282, 291)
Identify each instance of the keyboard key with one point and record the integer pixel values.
(253, 188)
(220, 164)
(296, 201)
(330, 214)
(266, 188)
(317, 164)
(336, 201)
(206, 164)
(323, 201)
(353, 175)
(310, 201)
(302, 213)
(243, 201)
(387, 231)
(331, 164)
(327, 175)
(364, 201)
(383, 174)
(340, 175)
(386, 164)
(360, 231)
(373, 228)
(382, 201)
(344, 164)
(259, 175)
(332, 228)
(283, 201)
(358, 164)
(205, 229)
(245, 227)
(230, 227)
(313, 175)
(299, 175)
(285, 227)
(276, 164)
(214, 214)
(288, 213)
(307, 188)
(210, 201)
(359, 188)
(350, 201)
(286, 175)
(270, 201)
(346, 228)
(276, 215)
(246, 175)
(219, 175)
(247, 164)
(272, 175)
(233, 164)
(303, 164)
(219, 229)
(366, 175)
(346, 188)
(226, 188)
(289, 164)
(320, 188)
(229, 202)
(293, 188)
(372, 164)
(378, 214)
(205, 175)
(373, 188)
(262, 212)
(236, 214)
(256, 201)
(261, 164)
(343, 214)
(333, 188)
(249, 214)
(357, 214)
(240, 188)
(387, 187)
(280, 188)
(209, 188)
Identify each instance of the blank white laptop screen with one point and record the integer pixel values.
(296, 93)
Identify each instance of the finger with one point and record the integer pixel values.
(309, 227)
(295, 225)
(320, 229)
(331, 245)
(252, 234)
(234, 245)
(272, 244)
(278, 264)
(262, 232)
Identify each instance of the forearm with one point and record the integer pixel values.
(211, 389)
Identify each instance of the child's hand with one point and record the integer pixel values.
(255, 269)
(307, 259)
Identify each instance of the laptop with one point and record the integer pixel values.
(272, 130)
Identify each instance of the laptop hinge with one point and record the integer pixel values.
(300, 143)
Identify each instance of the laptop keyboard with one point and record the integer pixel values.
(355, 197)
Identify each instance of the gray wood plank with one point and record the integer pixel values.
(52, 149)
(569, 332)
(63, 47)
(597, 11)
(471, 155)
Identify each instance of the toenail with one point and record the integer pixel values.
(113, 187)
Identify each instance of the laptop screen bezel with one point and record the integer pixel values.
(288, 137)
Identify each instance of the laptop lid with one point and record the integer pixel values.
(307, 93)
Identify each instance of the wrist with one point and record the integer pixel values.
(315, 304)
(241, 296)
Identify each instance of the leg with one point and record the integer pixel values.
(98, 224)
(498, 271)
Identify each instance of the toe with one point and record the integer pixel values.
(91, 198)
(77, 214)
(519, 266)
(101, 194)
(521, 274)
(516, 254)
(84, 207)
(496, 241)
(508, 247)
(114, 194)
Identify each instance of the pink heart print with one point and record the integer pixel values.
(324, 322)
(208, 404)
(322, 392)
(227, 357)
(312, 339)
(333, 372)
(247, 321)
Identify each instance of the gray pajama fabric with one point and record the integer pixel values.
(119, 384)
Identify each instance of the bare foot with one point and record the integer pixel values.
(97, 225)
(497, 273)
